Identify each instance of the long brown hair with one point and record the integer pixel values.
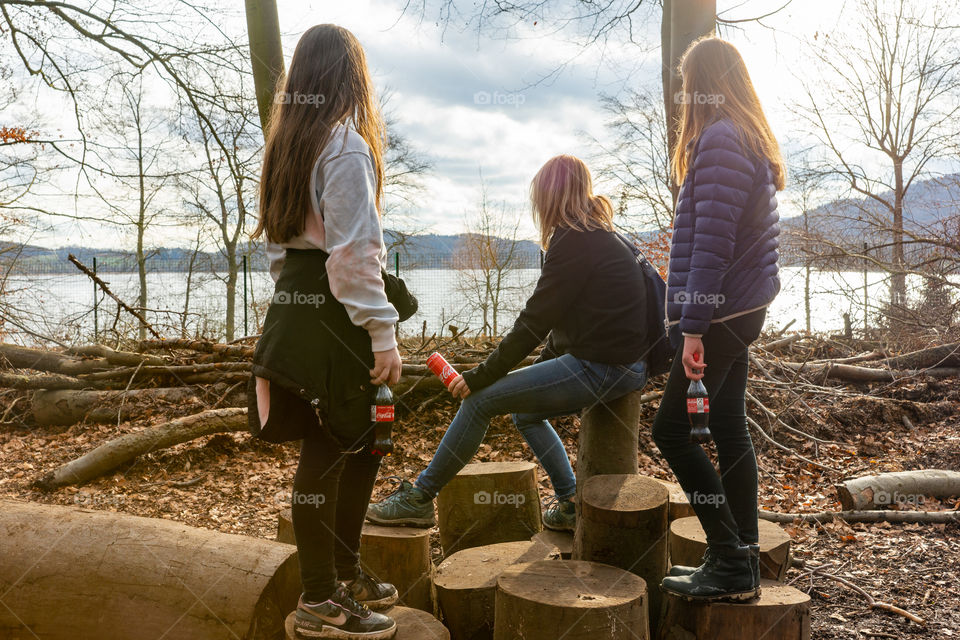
(328, 82)
(562, 196)
(716, 84)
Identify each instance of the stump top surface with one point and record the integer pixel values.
(624, 492)
(771, 534)
(573, 584)
(479, 567)
(676, 492)
(394, 532)
(488, 468)
(412, 624)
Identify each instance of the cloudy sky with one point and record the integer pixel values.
(498, 102)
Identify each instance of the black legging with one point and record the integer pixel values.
(331, 491)
(726, 504)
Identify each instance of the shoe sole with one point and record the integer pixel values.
(421, 523)
(741, 596)
(553, 528)
(332, 633)
(382, 603)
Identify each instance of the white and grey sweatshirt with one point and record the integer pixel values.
(344, 223)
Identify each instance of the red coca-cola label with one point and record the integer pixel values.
(443, 369)
(381, 413)
(698, 405)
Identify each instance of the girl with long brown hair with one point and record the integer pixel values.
(722, 276)
(590, 306)
(328, 337)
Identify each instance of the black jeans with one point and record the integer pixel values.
(331, 491)
(726, 504)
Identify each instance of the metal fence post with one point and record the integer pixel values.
(245, 304)
(396, 263)
(96, 323)
(866, 300)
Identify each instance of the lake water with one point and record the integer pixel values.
(62, 305)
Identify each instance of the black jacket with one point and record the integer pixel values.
(310, 347)
(590, 299)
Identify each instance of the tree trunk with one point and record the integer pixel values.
(780, 612)
(400, 556)
(898, 487)
(466, 584)
(73, 573)
(266, 53)
(232, 268)
(623, 522)
(66, 407)
(487, 503)
(113, 453)
(570, 599)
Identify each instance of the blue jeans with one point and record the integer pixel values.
(533, 394)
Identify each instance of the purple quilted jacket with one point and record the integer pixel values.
(723, 256)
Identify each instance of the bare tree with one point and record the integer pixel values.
(885, 104)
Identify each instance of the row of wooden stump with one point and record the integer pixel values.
(505, 577)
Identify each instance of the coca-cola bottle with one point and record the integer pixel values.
(381, 414)
(698, 409)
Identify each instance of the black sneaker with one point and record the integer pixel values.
(729, 577)
(342, 618)
(370, 593)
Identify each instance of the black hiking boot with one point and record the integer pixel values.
(684, 570)
(729, 577)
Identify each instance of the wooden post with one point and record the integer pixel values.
(608, 438)
(466, 584)
(780, 612)
(71, 573)
(623, 523)
(487, 503)
(570, 599)
(398, 555)
(688, 542)
(562, 540)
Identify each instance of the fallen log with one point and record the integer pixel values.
(203, 346)
(151, 371)
(69, 573)
(69, 406)
(43, 360)
(113, 453)
(41, 381)
(899, 487)
(947, 355)
(881, 515)
(123, 358)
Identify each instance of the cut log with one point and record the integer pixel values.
(780, 612)
(608, 438)
(570, 599)
(466, 584)
(487, 503)
(66, 407)
(412, 624)
(41, 381)
(400, 556)
(680, 507)
(43, 360)
(113, 453)
(947, 355)
(898, 487)
(623, 523)
(71, 573)
(880, 515)
(688, 542)
(285, 527)
(562, 540)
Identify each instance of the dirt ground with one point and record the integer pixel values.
(243, 484)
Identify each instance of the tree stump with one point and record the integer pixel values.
(466, 584)
(487, 503)
(398, 555)
(688, 542)
(680, 507)
(570, 599)
(608, 438)
(562, 540)
(412, 624)
(623, 522)
(73, 573)
(781, 612)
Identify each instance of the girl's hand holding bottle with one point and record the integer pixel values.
(386, 367)
(693, 366)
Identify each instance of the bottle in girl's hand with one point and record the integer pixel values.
(443, 369)
(698, 409)
(381, 414)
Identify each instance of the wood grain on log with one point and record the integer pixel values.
(898, 487)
